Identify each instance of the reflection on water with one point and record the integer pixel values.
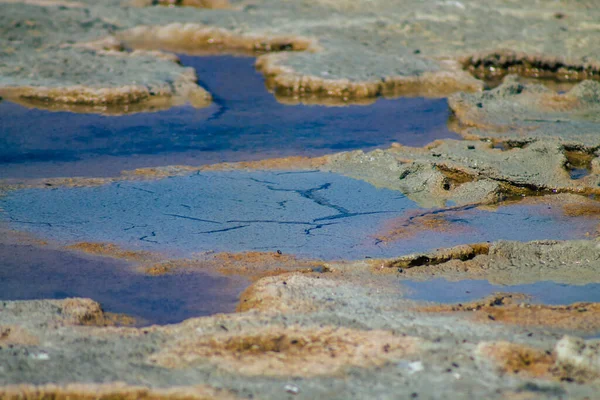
(244, 123)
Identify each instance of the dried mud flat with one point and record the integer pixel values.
(321, 48)
(315, 327)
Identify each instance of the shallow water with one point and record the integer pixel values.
(578, 173)
(311, 214)
(443, 291)
(244, 123)
(29, 272)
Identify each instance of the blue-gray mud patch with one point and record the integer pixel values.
(309, 214)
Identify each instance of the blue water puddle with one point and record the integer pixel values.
(310, 214)
(29, 272)
(244, 123)
(443, 291)
(578, 173)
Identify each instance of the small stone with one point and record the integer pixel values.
(292, 389)
(40, 356)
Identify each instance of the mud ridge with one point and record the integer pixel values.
(286, 83)
(199, 39)
(490, 65)
(111, 100)
(462, 253)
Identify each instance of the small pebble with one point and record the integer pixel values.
(292, 389)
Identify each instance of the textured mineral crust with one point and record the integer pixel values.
(507, 263)
(517, 114)
(323, 48)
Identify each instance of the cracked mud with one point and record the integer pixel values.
(307, 213)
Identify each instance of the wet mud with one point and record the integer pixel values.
(342, 265)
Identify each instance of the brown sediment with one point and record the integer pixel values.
(290, 351)
(260, 297)
(558, 102)
(112, 250)
(454, 177)
(253, 265)
(493, 65)
(114, 319)
(159, 172)
(284, 81)
(519, 359)
(579, 159)
(266, 295)
(284, 163)
(261, 264)
(196, 37)
(17, 335)
(510, 309)
(110, 391)
(582, 209)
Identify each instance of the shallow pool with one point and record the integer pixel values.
(245, 122)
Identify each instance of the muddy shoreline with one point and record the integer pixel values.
(260, 318)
